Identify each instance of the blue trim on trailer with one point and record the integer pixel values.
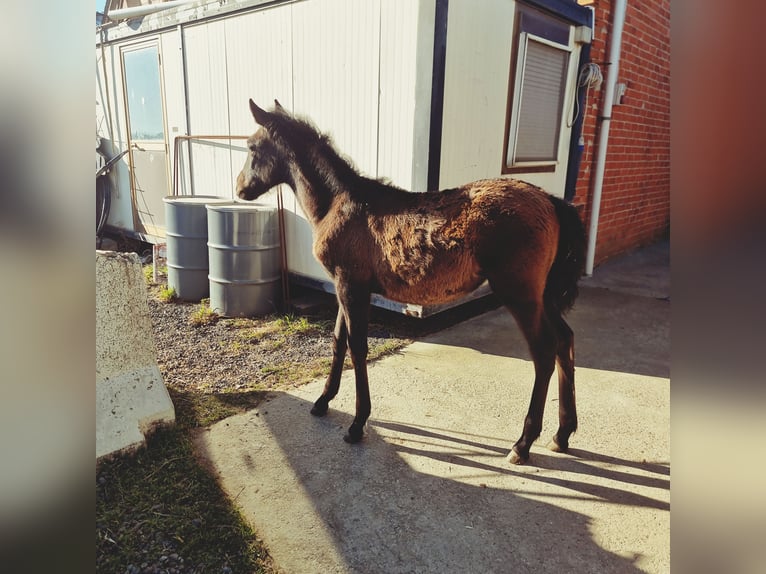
(575, 149)
(566, 9)
(437, 94)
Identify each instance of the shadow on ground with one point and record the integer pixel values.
(614, 331)
(413, 498)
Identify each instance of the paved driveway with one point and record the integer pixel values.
(429, 489)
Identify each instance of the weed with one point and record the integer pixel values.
(167, 294)
(388, 347)
(278, 370)
(274, 344)
(253, 335)
(292, 325)
(148, 273)
(203, 315)
(242, 322)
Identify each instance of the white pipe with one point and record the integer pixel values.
(618, 21)
(137, 11)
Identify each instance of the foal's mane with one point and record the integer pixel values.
(314, 150)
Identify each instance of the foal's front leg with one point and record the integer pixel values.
(339, 344)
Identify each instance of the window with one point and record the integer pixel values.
(537, 92)
(144, 93)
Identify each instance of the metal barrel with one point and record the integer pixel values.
(243, 250)
(186, 239)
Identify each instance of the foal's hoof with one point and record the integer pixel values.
(354, 434)
(320, 408)
(555, 446)
(515, 458)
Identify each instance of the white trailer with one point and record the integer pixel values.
(427, 94)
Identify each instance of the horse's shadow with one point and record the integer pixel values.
(577, 462)
(614, 331)
(384, 513)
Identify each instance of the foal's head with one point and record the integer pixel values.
(265, 167)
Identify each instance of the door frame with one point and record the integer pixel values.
(141, 228)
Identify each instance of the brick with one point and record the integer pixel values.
(636, 192)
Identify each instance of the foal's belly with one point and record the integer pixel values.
(433, 286)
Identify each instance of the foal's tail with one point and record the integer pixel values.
(569, 264)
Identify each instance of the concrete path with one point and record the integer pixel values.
(429, 489)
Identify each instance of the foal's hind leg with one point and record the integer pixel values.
(565, 363)
(339, 344)
(355, 302)
(541, 338)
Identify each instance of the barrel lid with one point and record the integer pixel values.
(195, 199)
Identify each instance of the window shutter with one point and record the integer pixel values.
(541, 101)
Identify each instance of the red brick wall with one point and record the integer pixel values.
(635, 201)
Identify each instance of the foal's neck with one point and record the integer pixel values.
(319, 175)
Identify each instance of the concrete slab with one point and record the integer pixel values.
(644, 271)
(429, 489)
(131, 397)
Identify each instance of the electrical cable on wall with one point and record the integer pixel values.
(590, 77)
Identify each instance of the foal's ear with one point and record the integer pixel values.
(261, 116)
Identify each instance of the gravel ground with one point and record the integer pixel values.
(229, 354)
(198, 352)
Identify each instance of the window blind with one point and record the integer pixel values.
(542, 97)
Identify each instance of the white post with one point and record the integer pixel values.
(618, 21)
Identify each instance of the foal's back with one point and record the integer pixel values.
(437, 246)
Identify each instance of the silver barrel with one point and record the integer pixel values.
(186, 239)
(243, 251)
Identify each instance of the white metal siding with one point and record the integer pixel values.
(208, 108)
(259, 65)
(421, 128)
(398, 69)
(335, 74)
(335, 84)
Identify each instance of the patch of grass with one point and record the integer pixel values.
(272, 332)
(320, 369)
(198, 409)
(388, 347)
(167, 294)
(278, 370)
(148, 270)
(294, 325)
(159, 508)
(254, 335)
(148, 273)
(203, 315)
